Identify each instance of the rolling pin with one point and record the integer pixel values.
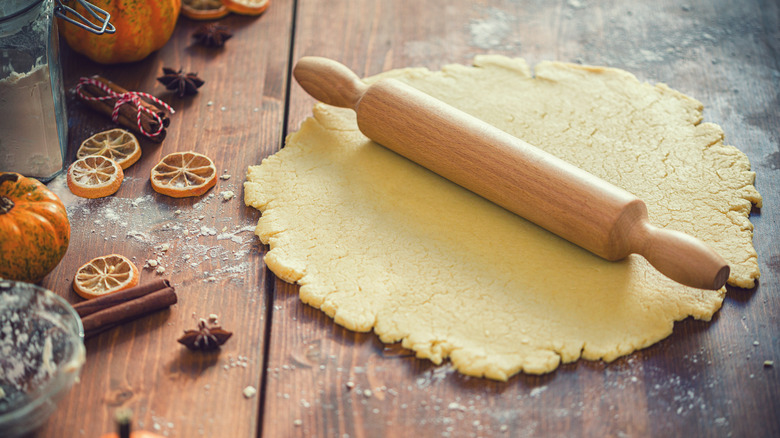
(570, 202)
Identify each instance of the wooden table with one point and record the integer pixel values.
(707, 379)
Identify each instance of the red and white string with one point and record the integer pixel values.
(130, 97)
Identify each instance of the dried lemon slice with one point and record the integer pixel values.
(118, 144)
(247, 7)
(203, 9)
(104, 275)
(94, 176)
(183, 174)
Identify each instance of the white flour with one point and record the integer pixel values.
(29, 143)
(494, 30)
(177, 239)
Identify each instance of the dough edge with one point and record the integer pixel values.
(498, 368)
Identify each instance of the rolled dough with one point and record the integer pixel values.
(377, 242)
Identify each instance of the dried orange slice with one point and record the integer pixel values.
(104, 275)
(247, 7)
(183, 174)
(118, 144)
(203, 9)
(94, 176)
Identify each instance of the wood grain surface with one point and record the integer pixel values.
(315, 378)
(214, 261)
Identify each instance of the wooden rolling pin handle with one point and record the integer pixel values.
(525, 180)
(329, 82)
(679, 256)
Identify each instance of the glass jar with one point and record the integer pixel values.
(33, 120)
(42, 340)
(33, 123)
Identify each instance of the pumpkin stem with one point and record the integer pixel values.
(9, 176)
(123, 422)
(5, 205)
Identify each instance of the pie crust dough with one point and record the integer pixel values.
(378, 242)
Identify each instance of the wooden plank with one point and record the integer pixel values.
(707, 378)
(213, 258)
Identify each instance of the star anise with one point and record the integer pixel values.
(182, 83)
(212, 35)
(205, 338)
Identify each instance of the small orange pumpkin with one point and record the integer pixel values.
(34, 228)
(142, 27)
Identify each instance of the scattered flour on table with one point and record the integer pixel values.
(249, 391)
(371, 389)
(160, 425)
(494, 30)
(195, 238)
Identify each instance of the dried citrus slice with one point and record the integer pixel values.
(203, 9)
(94, 176)
(247, 7)
(104, 275)
(118, 144)
(183, 174)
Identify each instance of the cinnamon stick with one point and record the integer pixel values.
(88, 307)
(128, 113)
(106, 107)
(119, 89)
(126, 311)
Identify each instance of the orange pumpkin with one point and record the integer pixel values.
(142, 26)
(34, 228)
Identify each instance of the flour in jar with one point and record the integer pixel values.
(33, 127)
(29, 142)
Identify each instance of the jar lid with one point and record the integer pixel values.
(12, 8)
(103, 18)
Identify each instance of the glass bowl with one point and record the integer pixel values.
(41, 354)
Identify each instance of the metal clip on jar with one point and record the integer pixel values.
(33, 120)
